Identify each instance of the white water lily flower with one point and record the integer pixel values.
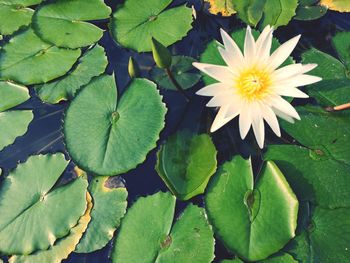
(251, 85)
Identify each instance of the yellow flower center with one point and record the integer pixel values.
(253, 84)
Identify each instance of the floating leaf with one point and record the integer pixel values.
(310, 10)
(223, 7)
(280, 258)
(117, 136)
(63, 23)
(93, 63)
(320, 172)
(190, 239)
(63, 247)
(109, 207)
(235, 260)
(35, 213)
(136, 22)
(337, 5)
(12, 123)
(28, 60)
(181, 68)
(186, 162)
(252, 221)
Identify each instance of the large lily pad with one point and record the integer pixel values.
(63, 23)
(107, 137)
(29, 60)
(252, 221)
(136, 22)
(93, 63)
(186, 162)
(12, 123)
(280, 258)
(189, 240)
(110, 204)
(33, 218)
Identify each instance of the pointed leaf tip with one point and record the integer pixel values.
(161, 54)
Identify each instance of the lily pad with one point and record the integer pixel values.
(28, 60)
(117, 135)
(49, 211)
(310, 10)
(181, 67)
(13, 123)
(252, 221)
(189, 240)
(280, 258)
(336, 5)
(110, 204)
(93, 63)
(136, 22)
(223, 7)
(63, 23)
(186, 162)
(63, 247)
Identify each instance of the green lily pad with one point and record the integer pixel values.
(93, 63)
(63, 23)
(252, 221)
(136, 22)
(280, 258)
(109, 207)
(39, 206)
(181, 67)
(13, 16)
(310, 10)
(117, 135)
(28, 60)
(235, 260)
(189, 240)
(186, 162)
(12, 123)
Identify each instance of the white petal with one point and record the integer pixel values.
(263, 44)
(261, 39)
(231, 61)
(218, 101)
(271, 119)
(220, 119)
(249, 47)
(231, 47)
(291, 71)
(233, 109)
(298, 81)
(283, 52)
(285, 107)
(283, 115)
(290, 92)
(220, 73)
(213, 89)
(245, 121)
(259, 130)
(309, 67)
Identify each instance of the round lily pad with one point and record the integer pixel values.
(252, 221)
(109, 196)
(189, 240)
(29, 60)
(63, 23)
(13, 16)
(107, 137)
(93, 63)
(186, 162)
(50, 211)
(136, 22)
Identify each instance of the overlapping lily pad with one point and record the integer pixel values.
(107, 137)
(109, 196)
(186, 162)
(189, 240)
(310, 10)
(254, 221)
(35, 212)
(93, 63)
(136, 22)
(63, 23)
(13, 123)
(28, 60)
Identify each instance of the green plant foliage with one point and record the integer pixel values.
(93, 63)
(109, 207)
(235, 260)
(117, 136)
(280, 258)
(254, 221)
(223, 7)
(63, 23)
(310, 10)
(266, 12)
(133, 68)
(319, 171)
(186, 162)
(28, 60)
(38, 206)
(13, 123)
(161, 54)
(181, 67)
(189, 240)
(136, 22)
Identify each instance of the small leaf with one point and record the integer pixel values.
(223, 7)
(310, 10)
(336, 5)
(13, 17)
(133, 68)
(161, 54)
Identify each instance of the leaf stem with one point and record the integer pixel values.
(339, 107)
(176, 84)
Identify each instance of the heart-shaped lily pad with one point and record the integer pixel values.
(252, 221)
(107, 137)
(147, 226)
(136, 22)
(63, 23)
(29, 60)
(110, 204)
(186, 162)
(49, 211)
(13, 123)
(93, 63)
